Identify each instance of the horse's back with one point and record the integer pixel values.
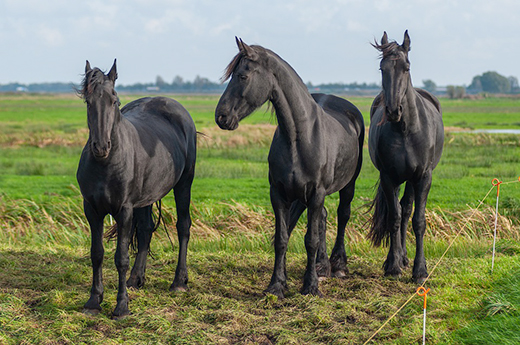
(430, 98)
(342, 110)
(147, 108)
(162, 118)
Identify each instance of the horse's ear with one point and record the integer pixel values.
(112, 75)
(406, 41)
(87, 67)
(245, 49)
(384, 39)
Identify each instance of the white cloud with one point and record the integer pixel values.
(50, 36)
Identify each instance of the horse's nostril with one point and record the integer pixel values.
(400, 108)
(220, 118)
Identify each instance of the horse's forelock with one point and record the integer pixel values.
(230, 69)
(232, 66)
(387, 49)
(92, 78)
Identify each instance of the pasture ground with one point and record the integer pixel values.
(44, 244)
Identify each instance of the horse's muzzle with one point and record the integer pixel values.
(101, 151)
(394, 115)
(226, 122)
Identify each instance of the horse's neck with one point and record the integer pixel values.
(411, 112)
(118, 136)
(295, 109)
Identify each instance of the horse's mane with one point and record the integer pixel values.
(387, 49)
(92, 78)
(232, 66)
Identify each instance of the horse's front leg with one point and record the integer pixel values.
(315, 219)
(422, 188)
(97, 252)
(281, 237)
(394, 260)
(122, 260)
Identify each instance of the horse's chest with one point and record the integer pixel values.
(294, 177)
(104, 188)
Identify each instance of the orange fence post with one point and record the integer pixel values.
(421, 291)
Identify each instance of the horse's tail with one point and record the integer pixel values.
(379, 231)
(112, 232)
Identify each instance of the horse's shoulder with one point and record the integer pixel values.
(376, 103)
(431, 98)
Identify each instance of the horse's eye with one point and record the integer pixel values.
(243, 77)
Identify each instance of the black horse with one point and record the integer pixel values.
(405, 142)
(316, 151)
(132, 159)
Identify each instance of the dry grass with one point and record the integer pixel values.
(245, 135)
(43, 139)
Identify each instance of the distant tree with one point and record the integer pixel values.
(178, 81)
(476, 85)
(455, 92)
(429, 85)
(200, 82)
(159, 81)
(513, 81)
(491, 82)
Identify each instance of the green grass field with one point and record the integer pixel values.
(45, 267)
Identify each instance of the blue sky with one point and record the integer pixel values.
(325, 41)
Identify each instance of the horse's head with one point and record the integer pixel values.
(395, 69)
(102, 108)
(250, 86)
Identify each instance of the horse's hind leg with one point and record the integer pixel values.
(323, 268)
(144, 227)
(406, 210)
(338, 257)
(182, 192)
(93, 305)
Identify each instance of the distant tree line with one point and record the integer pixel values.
(488, 82)
(344, 88)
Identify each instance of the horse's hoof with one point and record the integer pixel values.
(323, 270)
(393, 275)
(339, 274)
(419, 280)
(322, 278)
(313, 291)
(119, 317)
(178, 288)
(92, 312)
(275, 289)
(135, 283)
